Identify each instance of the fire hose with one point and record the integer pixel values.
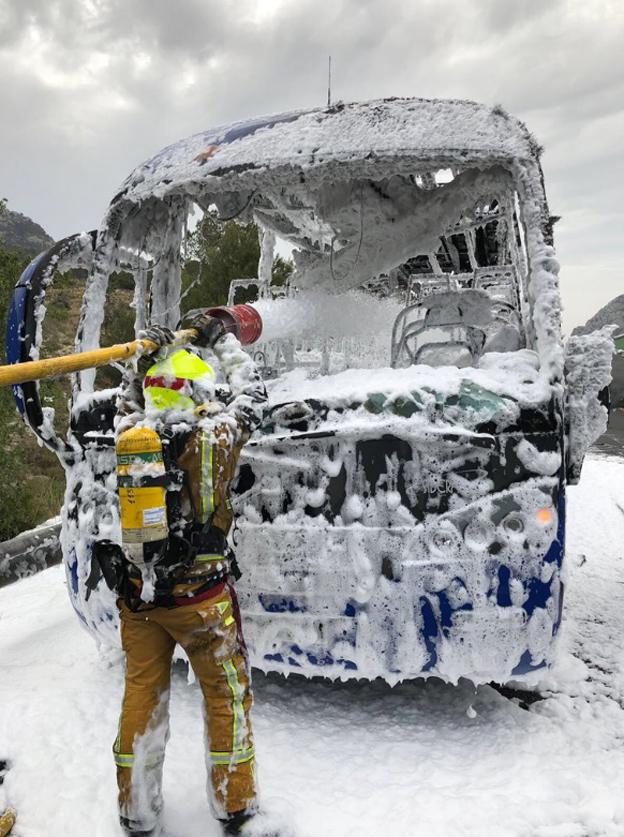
(242, 320)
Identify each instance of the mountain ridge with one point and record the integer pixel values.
(610, 314)
(21, 232)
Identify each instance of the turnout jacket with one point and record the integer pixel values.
(206, 443)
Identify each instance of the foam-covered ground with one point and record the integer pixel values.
(423, 758)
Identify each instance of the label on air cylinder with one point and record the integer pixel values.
(153, 517)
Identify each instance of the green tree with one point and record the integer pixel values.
(14, 501)
(31, 480)
(218, 252)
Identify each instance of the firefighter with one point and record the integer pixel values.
(183, 593)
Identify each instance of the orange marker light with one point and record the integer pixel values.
(544, 516)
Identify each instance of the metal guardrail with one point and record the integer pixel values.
(30, 552)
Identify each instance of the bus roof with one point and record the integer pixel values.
(426, 132)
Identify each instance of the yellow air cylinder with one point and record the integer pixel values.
(7, 821)
(141, 485)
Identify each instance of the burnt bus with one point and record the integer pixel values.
(401, 512)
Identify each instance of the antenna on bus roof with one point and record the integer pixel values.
(329, 83)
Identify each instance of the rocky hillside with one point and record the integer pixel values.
(611, 314)
(21, 232)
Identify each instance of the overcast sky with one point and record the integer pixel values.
(90, 88)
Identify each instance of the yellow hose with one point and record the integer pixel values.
(34, 370)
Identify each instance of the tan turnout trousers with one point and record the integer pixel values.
(209, 632)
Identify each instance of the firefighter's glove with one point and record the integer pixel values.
(209, 329)
(161, 335)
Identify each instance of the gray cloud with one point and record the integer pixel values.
(89, 88)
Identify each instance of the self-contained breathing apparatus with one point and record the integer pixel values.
(157, 540)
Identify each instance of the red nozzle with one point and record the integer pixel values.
(241, 320)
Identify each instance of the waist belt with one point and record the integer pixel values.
(181, 601)
(212, 585)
